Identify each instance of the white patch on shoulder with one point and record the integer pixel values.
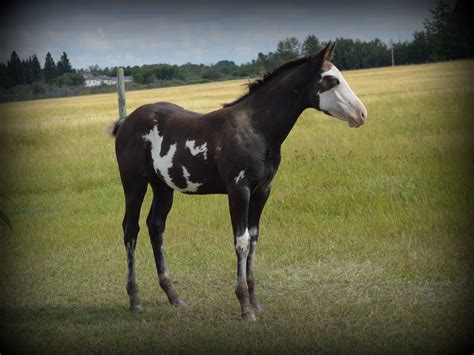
(195, 150)
(240, 176)
(163, 163)
(242, 242)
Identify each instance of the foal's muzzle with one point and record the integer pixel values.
(360, 116)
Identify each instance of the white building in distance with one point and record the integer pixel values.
(91, 80)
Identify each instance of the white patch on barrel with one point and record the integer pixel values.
(242, 242)
(161, 163)
(164, 163)
(195, 150)
(240, 176)
(190, 186)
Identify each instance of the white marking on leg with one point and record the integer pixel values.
(240, 176)
(164, 268)
(195, 150)
(242, 242)
(242, 246)
(164, 275)
(251, 259)
(253, 231)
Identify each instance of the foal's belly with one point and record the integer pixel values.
(191, 178)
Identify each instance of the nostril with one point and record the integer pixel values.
(363, 115)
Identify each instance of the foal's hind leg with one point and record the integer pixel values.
(156, 221)
(135, 190)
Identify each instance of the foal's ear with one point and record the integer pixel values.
(326, 53)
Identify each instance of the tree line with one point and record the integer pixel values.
(447, 35)
(26, 72)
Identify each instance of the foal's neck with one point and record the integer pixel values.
(275, 107)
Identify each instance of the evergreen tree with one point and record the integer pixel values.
(36, 68)
(345, 57)
(462, 17)
(3, 76)
(311, 45)
(28, 70)
(49, 70)
(446, 31)
(16, 74)
(421, 48)
(63, 65)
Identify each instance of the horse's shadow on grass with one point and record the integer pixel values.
(85, 314)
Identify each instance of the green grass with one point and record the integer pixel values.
(366, 242)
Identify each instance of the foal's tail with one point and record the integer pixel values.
(112, 129)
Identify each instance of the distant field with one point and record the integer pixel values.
(366, 243)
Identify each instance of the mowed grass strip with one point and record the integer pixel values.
(366, 242)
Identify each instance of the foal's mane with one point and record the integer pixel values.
(268, 76)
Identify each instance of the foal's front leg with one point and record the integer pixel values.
(256, 205)
(239, 206)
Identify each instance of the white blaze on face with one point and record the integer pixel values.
(341, 101)
(163, 163)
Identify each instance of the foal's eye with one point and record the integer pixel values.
(334, 81)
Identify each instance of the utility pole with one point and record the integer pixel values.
(391, 50)
(121, 94)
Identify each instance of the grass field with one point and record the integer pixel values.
(366, 243)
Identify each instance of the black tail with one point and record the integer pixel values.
(114, 127)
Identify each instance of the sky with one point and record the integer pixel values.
(122, 33)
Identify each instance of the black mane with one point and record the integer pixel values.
(254, 85)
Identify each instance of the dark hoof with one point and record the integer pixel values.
(257, 305)
(249, 316)
(178, 302)
(136, 308)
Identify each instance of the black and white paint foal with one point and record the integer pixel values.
(234, 150)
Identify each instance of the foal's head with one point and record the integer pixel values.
(331, 93)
